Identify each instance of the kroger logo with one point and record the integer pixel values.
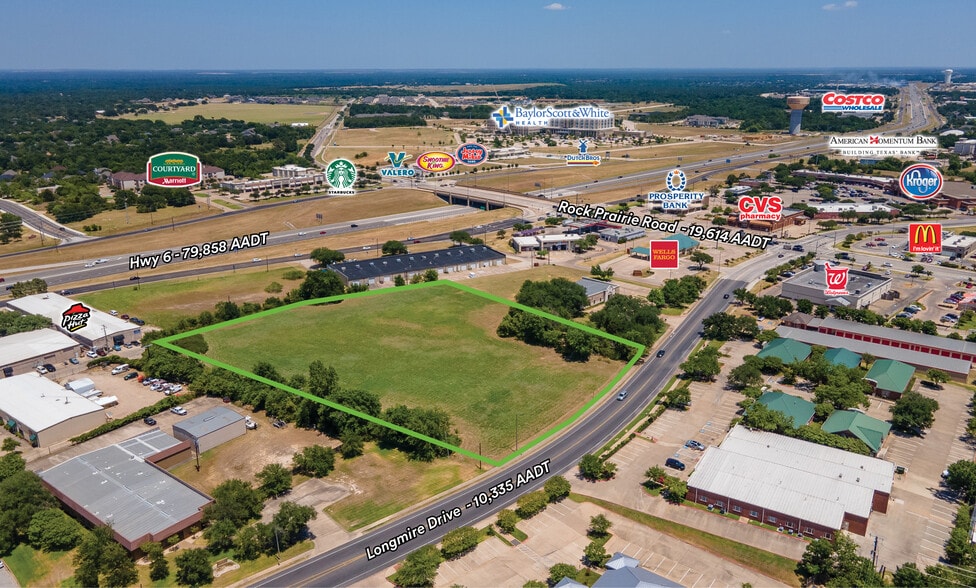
(471, 154)
(920, 181)
(832, 102)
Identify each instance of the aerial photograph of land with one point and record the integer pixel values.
(537, 295)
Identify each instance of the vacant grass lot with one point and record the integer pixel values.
(313, 114)
(432, 347)
(38, 568)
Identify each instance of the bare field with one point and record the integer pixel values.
(391, 138)
(313, 114)
(117, 221)
(29, 240)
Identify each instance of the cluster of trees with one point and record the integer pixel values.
(559, 297)
(362, 116)
(429, 275)
(913, 412)
(723, 326)
(592, 468)
(674, 489)
(915, 325)
(74, 200)
(837, 563)
(11, 227)
(702, 366)
(153, 198)
(678, 293)
(32, 286)
(13, 322)
(629, 317)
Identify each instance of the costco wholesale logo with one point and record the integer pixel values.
(173, 170)
(832, 102)
(756, 208)
(472, 154)
(75, 318)
(435, 161)
(836, 281)
(664, 254)
(920, 181)
(397, 158)
(925, 238)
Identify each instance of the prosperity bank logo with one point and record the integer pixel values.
(173, 170)
(925, 238)
(583, 158)
(833, 102)
(341, 175)
(920, 181)
(397, 169)
(675, 198)
(836, 280)
(75, 318)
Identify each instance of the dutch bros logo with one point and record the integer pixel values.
(760, 208)
(435, 161)
(920, 181)
(925, 238)
(832, 102)
(471, 154)
(836, 280)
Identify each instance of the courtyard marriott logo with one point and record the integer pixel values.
(173, 170)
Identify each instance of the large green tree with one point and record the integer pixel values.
(52, 530)
(393, 247)
(419, 568)
(234, 500)
(315, 460)
(459, 541)
(913, 412)
(325, 256)
(193, 568)
(275, 480)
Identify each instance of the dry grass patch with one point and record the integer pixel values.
(313, 114)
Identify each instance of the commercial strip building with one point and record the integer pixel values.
(797, 485)
(832, 210)
(555, 242)
(863, 287)
(958, 369)
(210, 428)
(43, 412)
(102, 329)
(123, 486)
(622, 234)
(445, 261)
(959, 245)
(22, 352)
(883, 182)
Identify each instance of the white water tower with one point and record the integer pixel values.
(948, 76)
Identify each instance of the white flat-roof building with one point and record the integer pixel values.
(43, 412)
(801, 486)
(958, 245)
(837, 207)
(22, 352)
(101, 330)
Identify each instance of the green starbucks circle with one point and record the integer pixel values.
(341, 174)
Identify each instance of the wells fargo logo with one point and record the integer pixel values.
(925, 238)
(664, 254)
(173, 170)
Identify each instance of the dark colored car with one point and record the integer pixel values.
(133, 278)
(74, 360)
(137, 321)
(660, 353)
(354, 225)
(149, 421)
(725, 296)
(50, 367)
(673, 463)
(279, 424)
(131, 375)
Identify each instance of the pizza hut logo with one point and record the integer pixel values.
(836, 280)
(75, 318)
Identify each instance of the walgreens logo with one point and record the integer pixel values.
(833, 102)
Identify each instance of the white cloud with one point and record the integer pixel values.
(844, 6)
(554, 6)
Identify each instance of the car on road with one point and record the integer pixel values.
(692, 444)
(674, 463)
(725, 296)
(134, 278)
(321, 232)
(130, 375)
(622, 395)
(353, 226)
(178, 410)
(660, 353)
(118, 370)
(256, 259)
(302, 233)
(124, 317)
(886, 264)
(113, 312)
(149, 421)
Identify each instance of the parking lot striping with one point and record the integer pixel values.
(672, 567)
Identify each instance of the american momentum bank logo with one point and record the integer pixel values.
(583, 158)
(75, 318)
(925, 238)
(920, 181)
(505, 116)
(173, 170)
(879, 146)
(833, 102)
(397, 159)
(675, 198)
(836, 280)
(341, 175)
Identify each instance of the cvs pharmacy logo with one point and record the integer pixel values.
(836, 280)
(760, 208)
(925, 238)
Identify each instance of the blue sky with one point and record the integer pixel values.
(503, 34)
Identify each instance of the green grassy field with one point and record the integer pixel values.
(39, 568)
(313, 114)
(431, 347)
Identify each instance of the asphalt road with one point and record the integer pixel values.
(349, 563)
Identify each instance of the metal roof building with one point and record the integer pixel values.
(786, 349)
(22, 352)
(43, 412)
(889, 377)
(799, 409)
(844, 357)
(118, 486)
(383, 269)
(851, 423)
(958, 368)
(805, 487)
(210, 428)
(102, 329)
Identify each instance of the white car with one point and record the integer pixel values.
(114, 312)
(92, 354)
(178, 410)
(249, 423)
(89, 265)
(302, 233)
(41, 369)
(256, 259)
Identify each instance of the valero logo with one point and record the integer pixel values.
(920, 181)
(836, 280)
(472, 154)
(173, 170)
(435, 161)
(664, 254)
(833, 102)
(925, 238)
(75, 318)
(756, 208)
(397, 158)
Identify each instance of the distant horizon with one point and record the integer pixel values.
(221, 71)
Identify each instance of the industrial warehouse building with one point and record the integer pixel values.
(863, 287)
(210, 428)
(445, 261)
(43, 412)
(22, 352)
(797, 485)
(102, 330)
(121, 486)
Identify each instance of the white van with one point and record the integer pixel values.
(119, 369)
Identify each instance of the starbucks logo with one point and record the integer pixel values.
(341, 174)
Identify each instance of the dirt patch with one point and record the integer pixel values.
(223, 566)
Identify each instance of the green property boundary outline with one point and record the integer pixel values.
(168, 343)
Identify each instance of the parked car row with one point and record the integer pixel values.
(954, 298)
(158, 385)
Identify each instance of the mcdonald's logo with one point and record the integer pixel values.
(925, 238)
